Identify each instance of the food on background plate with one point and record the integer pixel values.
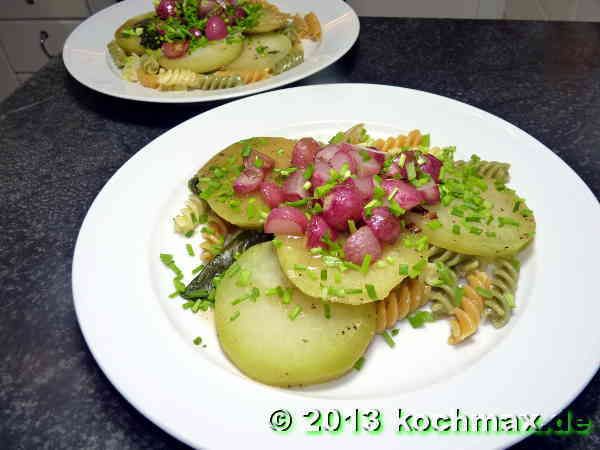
(210, 44)
(311, 248)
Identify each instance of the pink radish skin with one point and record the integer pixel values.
(271, 193)
(267, 162)
(407, 196)
(384, 225)
(293, 187)
(360, 244)
(341, 205)
(430, 192)
(316, 229)
(248, 181)
(321, 174)
(286, 220)
(304, 152)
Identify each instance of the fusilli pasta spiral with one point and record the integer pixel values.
(308, 27)
(247, 76)
(495, 170)
(190, 216)
(503, 286)
(462, 263)
(442, 300)
(214, 233)
(406, 298)
(467, 316)
(413, 139)
(117, 54)
(293, 59)
(183, 79)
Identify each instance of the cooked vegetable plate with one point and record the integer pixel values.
(311, 248)
(210, 44)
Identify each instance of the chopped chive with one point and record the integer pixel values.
(287, 296)
(300, 202)
(396, 209)
(354, 291)
(402, 160)
(417, 268)
(403, 269)
(308, 172)
(507, 221)
(197, 269)
(190, 233)
(234, 316)
(197, 341)
(271, 291)
(241, 299)
(352, 226)
(244, 278)
(359, 364)
(190, 249)
(258, 163)
(280, 151)
(395, 332)
(388, 339)
(324, 275)
(371, 291)
(517, 205)
(475, 230)
(456, 211)
(188, 305)
(366, 262)
(411, 171)
(337, 277)
(179, 286)
(486, 293)
(246, 150)
(419, 318)
(197, 293)
(295, 312)
(327, 310)
(392, 194)
(456, 229)
(300, 267)
(434, 224)
(458, 295)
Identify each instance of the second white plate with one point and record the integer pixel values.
(86, 58)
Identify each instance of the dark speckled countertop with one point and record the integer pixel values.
(60, 142)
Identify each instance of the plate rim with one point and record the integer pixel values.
(510, 440)
(73, 71)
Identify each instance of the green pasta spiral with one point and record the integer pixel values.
(461, 263)
(442, 300)
(498, 171)
(294, 58)
(117, 54)
(503, 286)
(214, 82)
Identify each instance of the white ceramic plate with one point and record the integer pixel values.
(86, 58)
(143, 340)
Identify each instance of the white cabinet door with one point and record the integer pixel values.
(21, 39)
